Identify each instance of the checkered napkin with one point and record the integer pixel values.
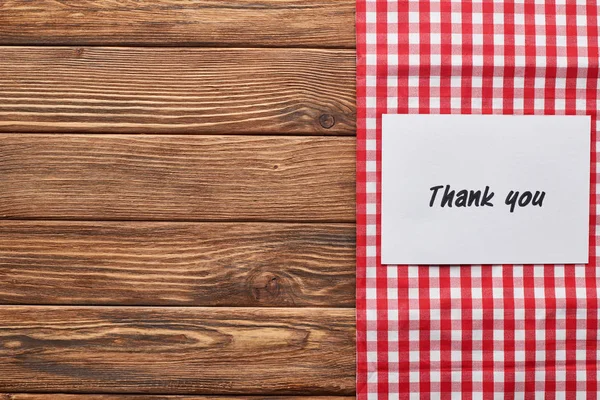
(481, 331)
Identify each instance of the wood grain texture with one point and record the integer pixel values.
(184, 90)
(177, 350)
(206, 264)
(62, 396)
(241, 23)
(193, 178)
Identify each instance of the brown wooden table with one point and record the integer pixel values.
(177, 198)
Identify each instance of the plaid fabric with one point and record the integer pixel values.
(501, 331)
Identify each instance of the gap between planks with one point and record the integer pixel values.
(95, 396)
(187, 221)
(258, 135)
(179, 47)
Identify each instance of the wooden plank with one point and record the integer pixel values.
(206, 264)
(184, 90)
(60, 396)
(177, 350)
(242, 23)
(186, 178)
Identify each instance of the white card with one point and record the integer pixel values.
(435, 206)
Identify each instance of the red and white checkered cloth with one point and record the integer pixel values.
(483, 332)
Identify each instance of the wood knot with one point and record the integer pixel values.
(79, 52)
(272, 286)
(327, 121)
(6, 396)
(266, 287)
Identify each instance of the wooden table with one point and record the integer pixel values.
(177, 198)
